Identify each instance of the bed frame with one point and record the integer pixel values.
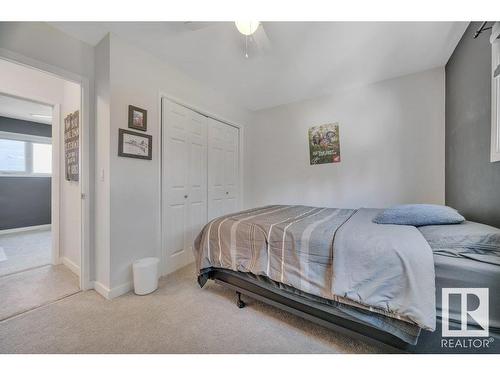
(428, 342)
(388, 342)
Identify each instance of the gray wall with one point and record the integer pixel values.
(24, 201)
(13, 125)
(472, 181)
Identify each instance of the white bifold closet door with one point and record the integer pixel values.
(223, 169)
(184, 182)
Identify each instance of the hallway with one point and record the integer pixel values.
(24, 250)
(27, 290)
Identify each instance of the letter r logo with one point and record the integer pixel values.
(466, 311)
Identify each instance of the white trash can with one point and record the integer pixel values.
(145, 275)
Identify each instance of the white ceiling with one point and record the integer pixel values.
(24, 109)
(305, 59)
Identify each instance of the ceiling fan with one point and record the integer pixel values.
(256, 39)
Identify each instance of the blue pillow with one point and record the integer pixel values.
(419, 215)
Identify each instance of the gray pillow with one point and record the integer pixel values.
(468, 235)
(418, 215)
(471, 240)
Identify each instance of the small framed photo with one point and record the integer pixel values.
(135, 145)
(137, 118)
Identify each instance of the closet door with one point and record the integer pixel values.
(223, 169)
(184, 184)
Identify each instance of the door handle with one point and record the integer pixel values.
(227, 192)
(185, 197)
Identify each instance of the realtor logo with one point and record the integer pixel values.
(472, 305)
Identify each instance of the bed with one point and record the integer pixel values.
(337, 268)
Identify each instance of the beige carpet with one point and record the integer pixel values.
(178, 318)
(24, 250)
(26, 290)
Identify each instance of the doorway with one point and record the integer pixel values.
(25, 185)
(40, 161)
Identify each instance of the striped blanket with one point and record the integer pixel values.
(297, 246)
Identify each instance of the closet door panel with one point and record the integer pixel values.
(217, 172)
(184, 182)
(216, 208)
(231, 169)
(177, 174)
(230, 205)
(175, 182)
(197, 172)
(223, 169)
(215, 169)
(197, 213)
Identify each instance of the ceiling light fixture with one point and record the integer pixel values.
(247, 28)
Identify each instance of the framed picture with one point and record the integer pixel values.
(135, 145)
(137, 118)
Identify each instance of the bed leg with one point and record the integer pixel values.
(239, 302)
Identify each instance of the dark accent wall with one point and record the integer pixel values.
(24, 201)
(472, 181)
(13, 125)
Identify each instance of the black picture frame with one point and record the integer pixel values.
(121, 134)
(131, 110)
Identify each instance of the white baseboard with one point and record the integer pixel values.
(101, 289)
(113, 292)
(26, 229)
(75, 268)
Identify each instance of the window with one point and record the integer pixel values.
(42, 158)
(25, 155)
(12, 155)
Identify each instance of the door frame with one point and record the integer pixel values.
(84, 83)
(163, 95)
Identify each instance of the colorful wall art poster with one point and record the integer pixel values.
(324, 144)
